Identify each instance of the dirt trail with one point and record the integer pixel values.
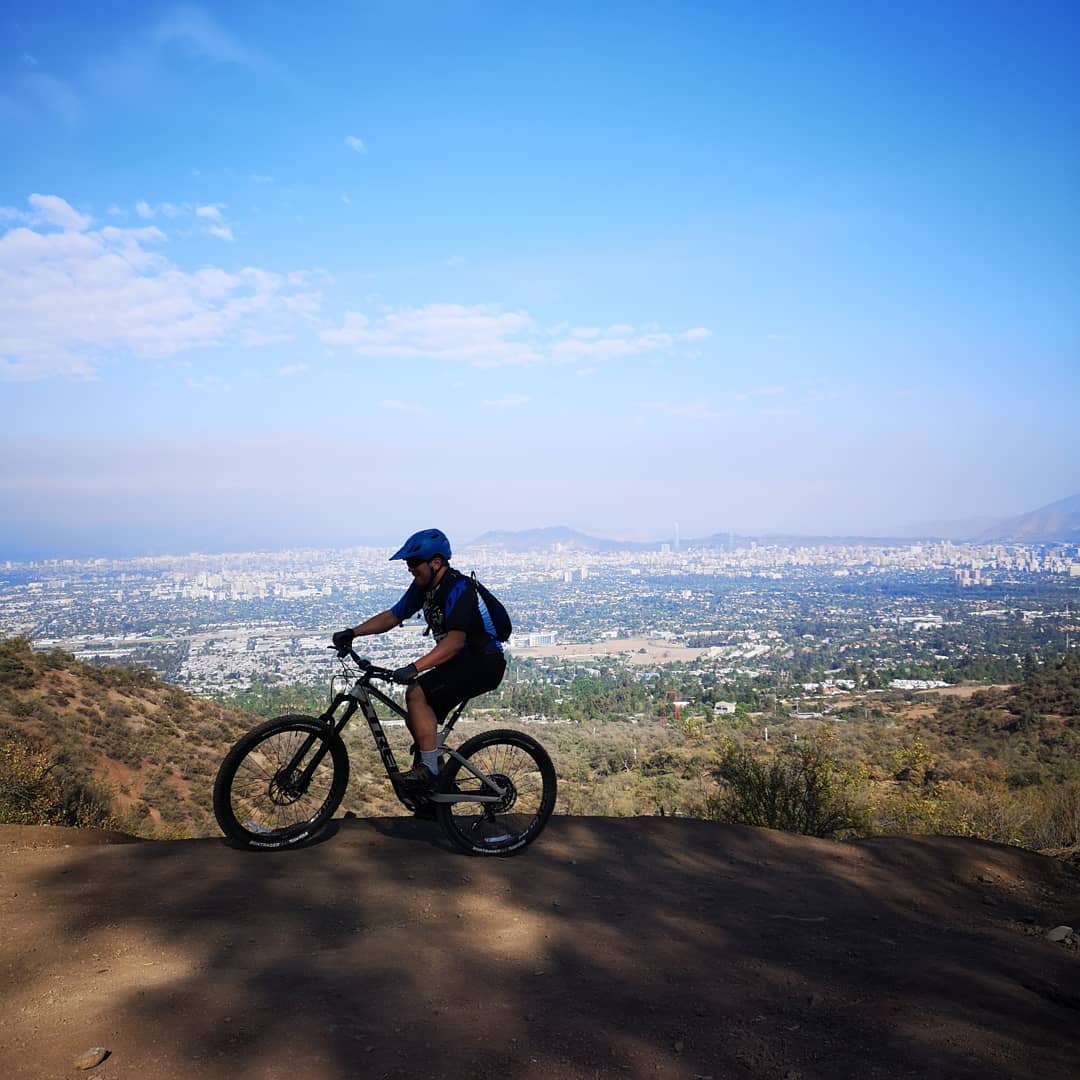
(646, 947)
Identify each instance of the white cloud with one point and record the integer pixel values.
(144, 210)
(484, 335)
(355, 143)
(73, 298)
(571, 350)
(761, 391)
(207, 382)
(52, 210)
(258, 178)
(194, 30)
(55, 97)
(688, 410)
(212, 213)
(510, 401)
(488, 336)
(699, 333)
(456, 260)
(345, 199)
(401, 406)
(292, 369)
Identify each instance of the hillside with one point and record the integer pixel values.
(634, 948)
(1055, 523)
(1058, 522)
(547, 539)
(118, 742)
(114, 747)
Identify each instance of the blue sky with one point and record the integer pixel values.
(279, 274)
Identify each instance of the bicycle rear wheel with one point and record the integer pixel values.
(520, 766)
(281, 783)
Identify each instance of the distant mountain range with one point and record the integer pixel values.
(1056, 523)
(556, 536)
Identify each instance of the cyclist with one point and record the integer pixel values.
(466, 660)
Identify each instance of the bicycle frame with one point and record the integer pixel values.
(358, 697)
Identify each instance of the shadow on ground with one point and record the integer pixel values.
(651, 947)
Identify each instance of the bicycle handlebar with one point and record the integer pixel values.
(371, 671)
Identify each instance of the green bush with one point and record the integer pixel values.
(800, 790)
(15, 673)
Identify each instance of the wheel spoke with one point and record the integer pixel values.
(519, 767)
(262, 798)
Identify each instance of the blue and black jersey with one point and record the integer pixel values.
(452, 605)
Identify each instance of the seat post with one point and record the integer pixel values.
(453, 718)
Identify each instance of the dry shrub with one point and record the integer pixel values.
(36, 790)
(802, 789)
(1037, 817)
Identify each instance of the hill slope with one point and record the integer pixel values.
(1058, 522)
(648, 947)
(117, 736)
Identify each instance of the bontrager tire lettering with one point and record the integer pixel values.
(465, 824)
(245, 785)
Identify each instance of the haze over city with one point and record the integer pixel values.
(278, 276)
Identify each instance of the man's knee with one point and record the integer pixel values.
(414, 694)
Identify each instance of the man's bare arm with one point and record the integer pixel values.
(377, 624)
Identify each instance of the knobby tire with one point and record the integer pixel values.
(254, 802)
(520, 763)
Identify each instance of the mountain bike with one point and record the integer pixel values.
(282, 781)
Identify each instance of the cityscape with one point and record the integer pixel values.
(917, 614)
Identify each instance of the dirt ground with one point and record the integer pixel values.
(648, 947)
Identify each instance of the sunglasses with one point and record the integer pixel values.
(414, 564)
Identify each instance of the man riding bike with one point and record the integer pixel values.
(467, 658)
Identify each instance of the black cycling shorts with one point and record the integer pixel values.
(464, 677)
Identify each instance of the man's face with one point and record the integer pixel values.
(424, 572)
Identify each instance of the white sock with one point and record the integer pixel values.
(431, 759)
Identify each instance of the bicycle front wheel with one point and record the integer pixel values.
(281, 783)
(522, 770)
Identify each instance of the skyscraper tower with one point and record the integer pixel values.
(676, 536)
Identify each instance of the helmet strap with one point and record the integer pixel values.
(436, 573)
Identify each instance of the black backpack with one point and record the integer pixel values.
(500, 617)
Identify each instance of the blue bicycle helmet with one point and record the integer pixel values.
(425, 544)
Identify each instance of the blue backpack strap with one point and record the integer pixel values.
(485, 615)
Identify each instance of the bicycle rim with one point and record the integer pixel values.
(267, 806)
(519, 766)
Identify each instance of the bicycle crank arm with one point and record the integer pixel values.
(448, 798)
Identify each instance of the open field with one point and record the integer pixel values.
(641, 652)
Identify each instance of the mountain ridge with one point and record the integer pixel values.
(1055, 523)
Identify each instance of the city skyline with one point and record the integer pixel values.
(322, 278)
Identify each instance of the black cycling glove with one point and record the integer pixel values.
(406, 674)
(343, 640)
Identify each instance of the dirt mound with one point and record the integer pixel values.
(649, 947)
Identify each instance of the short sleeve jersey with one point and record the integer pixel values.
(451, 605)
